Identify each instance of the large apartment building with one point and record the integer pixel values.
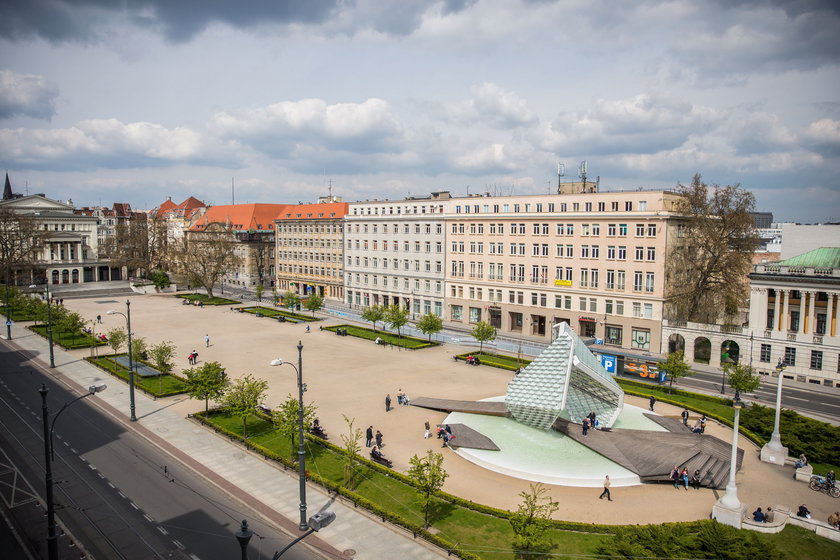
(309, 249)
(394, 253)
(593, 260)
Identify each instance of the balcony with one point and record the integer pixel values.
(731, 329)
(791, 336)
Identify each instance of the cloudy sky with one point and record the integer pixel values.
(133, 101)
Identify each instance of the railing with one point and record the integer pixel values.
(674, 323)
(818, 339)
(731, 329)
(791, 337)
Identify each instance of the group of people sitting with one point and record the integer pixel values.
(473, 361)
(801, 462)
(700, 425)
(317, 430)
(196, 302)
(764, 516)
(377, 456)
(681, 478)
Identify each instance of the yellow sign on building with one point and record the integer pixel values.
(562, 282)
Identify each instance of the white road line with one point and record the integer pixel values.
(121, 494)
(148, 518)
(134, 506)
(194, 557)
(111, 485)
(178, 544)
(58, 436)
(73, 450)
(162, 530)
(91, 467)
(100, 475)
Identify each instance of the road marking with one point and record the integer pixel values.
(111, 485)
(194, 557)
(162, 530)
(148, 518)
(100, 475)
(121, 494)
(91, 467)
(66, 444)
(178, 544)
(58, 436)
(134, 506)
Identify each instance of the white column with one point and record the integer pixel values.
(777, 311)
(812, 313)
(730, 498)
(773, 451)
(802, 310)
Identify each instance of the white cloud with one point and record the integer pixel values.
(758, 132)
(824, 136)
(492, 106)
(26, 94)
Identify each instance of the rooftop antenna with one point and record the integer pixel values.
(329, 183)
(561, 171)
(582, 174)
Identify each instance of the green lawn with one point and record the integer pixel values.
(207, 300)
(403, 341)
(161, 386)
(68, 340)
(274, 312)
(496, 360)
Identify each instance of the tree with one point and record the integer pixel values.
(676, 367)
(160, 279)
(374, 314)
(258, 291)
(428, 474)
(162, 354)
(430, 324)
(397, 317)
(205, 256)
(244, 395)
(314, 303)
(351, 444)
(741, 377)
(532, 521)
(20, 242)
(483, 332)
(208, 381)
(708, 263)
(285, 417)
(116, 338)
(138, 348)
(291, 299)
(72, 323)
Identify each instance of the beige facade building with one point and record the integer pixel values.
(593, 260)
(309, 249)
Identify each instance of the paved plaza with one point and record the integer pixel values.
(349, 376)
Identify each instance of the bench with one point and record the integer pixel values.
(382, 461)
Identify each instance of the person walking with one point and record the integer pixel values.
(99, 319)
(585, 426)
(652, 402)
(428, 429)
(207, 345)
(388, 403)
(684, 415)
(368, 436)
(606, 491)
(379, 439)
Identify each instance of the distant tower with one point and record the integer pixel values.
(582, 174)
(561, 170)
(7, 190)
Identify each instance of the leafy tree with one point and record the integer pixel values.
(285, 417)
(676, 367)
(291, 299)
(244, 395)
(397, 317)
(708, 263)
(258, 291)
(162, 355)
(532, 521)
(72, 323)
(430, 324)
(374, 314)
(352, 445)
(207, 381)
(314, 303)
(205, 256)
(160, 279)
(138, 348)
(483, 332)
(741, 377)
(116, 338)
(20, 242)
(428, 474)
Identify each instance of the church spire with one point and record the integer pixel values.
(7, 190)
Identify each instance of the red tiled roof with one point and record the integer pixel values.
(314, 211)
(241, 217)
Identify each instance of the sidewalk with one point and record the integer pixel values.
(227, 465)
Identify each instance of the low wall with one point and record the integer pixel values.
(821, 528)
(781, 516)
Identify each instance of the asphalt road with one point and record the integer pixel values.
(120, 496)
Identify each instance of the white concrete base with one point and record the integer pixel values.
(777, 456)
(804, 474)
(734, 517)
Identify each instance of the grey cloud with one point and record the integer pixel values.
(26, 94)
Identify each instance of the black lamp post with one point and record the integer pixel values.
(132, 416)
(301, 450)
(244, 537)
(49, 321)
(8, 309)
(52, 538)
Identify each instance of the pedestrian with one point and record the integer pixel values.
(684, 476)
(368, 436)
(379, 439)
(207, 344)
(585, 426)
(703, 424)
(388, 403)
(307, 329)
(684, 415)
(675, 476)
(606, 491)
(99, 319)
(428, 429)
(652, 402)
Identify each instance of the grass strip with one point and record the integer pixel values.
(165, 385)
(207, 300)
(68, 340)
(402, 341)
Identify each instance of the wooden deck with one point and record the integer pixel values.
(472, 407)
(464, 436)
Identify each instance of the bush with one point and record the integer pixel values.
(207, 300)
(403, 341)
(819, 441)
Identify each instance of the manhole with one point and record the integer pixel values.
(349, 554)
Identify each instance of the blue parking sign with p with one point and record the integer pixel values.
(608, 362)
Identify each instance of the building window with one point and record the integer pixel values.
(764, 356)
(790, 356)
(641, 339)
(816, 359)
(613, 335)
(456, 312)
(475, 314)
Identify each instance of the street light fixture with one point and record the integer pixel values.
(730, 498)
(301, 451)
(49, 320)
(8, 309)
(127, 315)
(775, 443)
(52, 538)
(244, 537)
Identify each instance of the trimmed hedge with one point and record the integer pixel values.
(108, 364)
(403, 341)
(66, 340)
(819, 441)
(271, 312)
(500, 361)
(207, 300)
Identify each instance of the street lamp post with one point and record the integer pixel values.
(301, 450)
(244, 537)
(52, 538)
(132, 416)
(730, 499)
(774, 451)
(49, 321)
(8, 309)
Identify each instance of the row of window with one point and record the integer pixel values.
(318, 227)
(589, 277)
(308, 242)
(425, 246)
(309, 256)
(394, 210)
(395, 228)
(816, 362)
(586, 230)
(613, 252)
(601, 206)
(395, 264)
(311, 270)
(356, 279)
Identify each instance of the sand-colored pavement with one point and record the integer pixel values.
(349, 376)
